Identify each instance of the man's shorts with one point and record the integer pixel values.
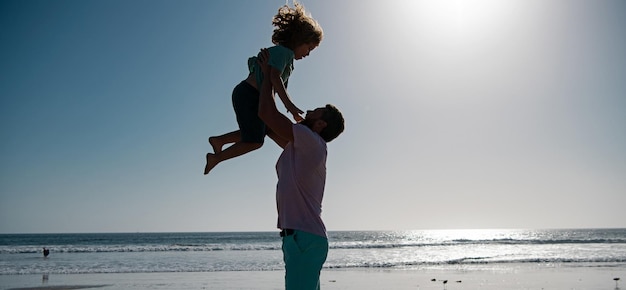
(246, 105)
(304, 255)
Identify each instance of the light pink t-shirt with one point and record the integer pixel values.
(301, 170)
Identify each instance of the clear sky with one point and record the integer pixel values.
(459, 114)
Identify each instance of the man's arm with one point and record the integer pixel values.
(277, 122)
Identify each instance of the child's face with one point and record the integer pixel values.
(303, 50)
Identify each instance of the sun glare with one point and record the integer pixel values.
(456, 20)
(472, 234)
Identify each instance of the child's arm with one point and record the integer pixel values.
(279, 88)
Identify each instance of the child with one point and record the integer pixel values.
(295, 36)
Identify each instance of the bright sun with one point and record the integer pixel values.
(456, 20)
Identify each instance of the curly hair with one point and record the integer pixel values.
(294, 27)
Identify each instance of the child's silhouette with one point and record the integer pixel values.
(295, 36)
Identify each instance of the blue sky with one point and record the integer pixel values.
(494, 114)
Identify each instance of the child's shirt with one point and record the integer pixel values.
(281, 58)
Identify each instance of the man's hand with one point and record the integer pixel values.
(263, 60)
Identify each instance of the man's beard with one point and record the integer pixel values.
(308, 122)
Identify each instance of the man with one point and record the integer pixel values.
(301, 170)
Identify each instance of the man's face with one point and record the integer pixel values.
(313, 117)
(315, 114)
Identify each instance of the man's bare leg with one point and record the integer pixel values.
(237, 149)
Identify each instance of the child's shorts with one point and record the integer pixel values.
(246, 105)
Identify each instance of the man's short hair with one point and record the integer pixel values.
(334, 123)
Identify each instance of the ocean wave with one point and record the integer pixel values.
(184, 247)
(460, 242)
(480, 261)
(134, 248)
(211, 252)
(508, 241)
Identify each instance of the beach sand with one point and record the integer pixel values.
(470, 277)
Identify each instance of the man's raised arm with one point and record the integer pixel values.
(277, 122)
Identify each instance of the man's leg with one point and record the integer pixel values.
(304, 255)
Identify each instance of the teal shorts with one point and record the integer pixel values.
(304, 255)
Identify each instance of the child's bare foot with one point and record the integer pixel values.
(217, 148)
(211, 161)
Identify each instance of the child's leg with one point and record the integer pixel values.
(217, 142)
(237, 149)
(251, 128)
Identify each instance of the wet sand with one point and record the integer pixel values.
(515, 277)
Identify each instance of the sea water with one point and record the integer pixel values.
(261, 251)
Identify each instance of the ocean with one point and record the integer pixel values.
(260, 251)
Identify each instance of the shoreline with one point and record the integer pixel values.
(515, 276)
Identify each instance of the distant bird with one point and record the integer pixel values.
(459, 281)
(444, 284)
(46, 252)
(433, 279)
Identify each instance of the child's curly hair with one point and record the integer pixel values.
(294, 27)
